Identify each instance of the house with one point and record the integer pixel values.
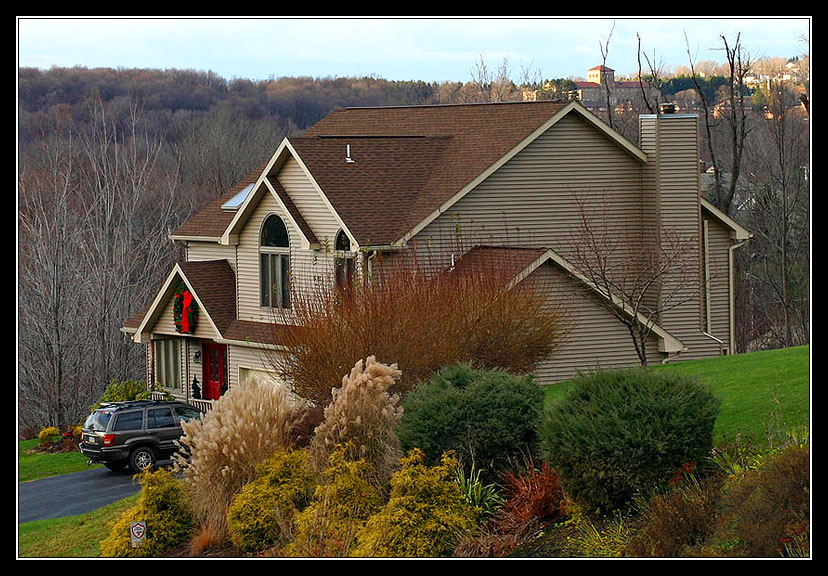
(476, 183)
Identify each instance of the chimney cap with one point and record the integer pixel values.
(667, 108)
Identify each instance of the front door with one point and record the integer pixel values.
(214, 362)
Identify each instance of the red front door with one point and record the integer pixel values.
(214, 362)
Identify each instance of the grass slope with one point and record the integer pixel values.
(71, 536)
(32, 465)
(757, 390)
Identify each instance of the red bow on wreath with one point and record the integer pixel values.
(184, 310)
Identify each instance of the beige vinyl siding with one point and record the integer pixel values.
(309, 203)
(673, 147)
(207, 251)
(306, 266)
(596, 338)
(530, 200)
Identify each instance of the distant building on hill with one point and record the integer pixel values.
(593, 93)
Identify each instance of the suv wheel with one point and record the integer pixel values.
(140, 458)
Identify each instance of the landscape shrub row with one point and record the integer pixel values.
(467, 464)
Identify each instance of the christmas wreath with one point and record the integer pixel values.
(185, 310)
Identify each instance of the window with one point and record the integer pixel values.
(344, 261)
(160, 418)
(168, 363)
(274, 269)
(129, 421)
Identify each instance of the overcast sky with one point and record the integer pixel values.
(429, 49)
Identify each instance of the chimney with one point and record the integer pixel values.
(670, 190)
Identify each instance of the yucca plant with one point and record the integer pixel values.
(485, 498)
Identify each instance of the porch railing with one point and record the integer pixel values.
(201, 404)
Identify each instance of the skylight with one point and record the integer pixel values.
(238, 199)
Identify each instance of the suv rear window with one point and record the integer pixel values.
(160, 418)
(186, 413)
(129, 421)
(98, 420)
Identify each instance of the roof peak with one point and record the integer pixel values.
(458, 105)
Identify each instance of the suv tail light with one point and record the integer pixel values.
(109, 439)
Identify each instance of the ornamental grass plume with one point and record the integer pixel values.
(361, 417)
(245, 427)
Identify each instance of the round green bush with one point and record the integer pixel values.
(621, 433)
(489, 418)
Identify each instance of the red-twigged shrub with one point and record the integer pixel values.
(420, 321)
(535, 496)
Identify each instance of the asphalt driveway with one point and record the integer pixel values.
(71, 494)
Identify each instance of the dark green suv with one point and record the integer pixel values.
(135, 434)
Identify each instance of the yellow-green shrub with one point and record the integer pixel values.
(341, 505)
(425, 516)
(47, 435)
(261, 515)
(164, 509)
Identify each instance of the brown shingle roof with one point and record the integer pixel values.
(423, 154)
(214, 283)
(211, 221)
(408, 162)
(257, 332)
(507, 261)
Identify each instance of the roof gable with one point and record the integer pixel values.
(520, 262)
(386, 173)
(437, 155)
(212, 284)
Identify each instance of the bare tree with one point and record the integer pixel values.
(733, 110)
(604, 78)
(778, 210)
(492, 86)
(49, 338)
(653, 81)
(637, 281)
(95, 211)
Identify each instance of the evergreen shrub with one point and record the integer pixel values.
(489, 418)
(425, 516)
(261, 515)
(164, 508)
(342, 502)
(622, 433)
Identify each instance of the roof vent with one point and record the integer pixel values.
(348, 159)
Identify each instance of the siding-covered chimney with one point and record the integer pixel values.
(671, 200)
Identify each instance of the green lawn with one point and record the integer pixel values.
(756, 389)
(32, 465)
(71, 536)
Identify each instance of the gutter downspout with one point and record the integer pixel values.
(731, 294)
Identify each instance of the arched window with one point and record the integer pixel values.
(274, 258)
(344, 261)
